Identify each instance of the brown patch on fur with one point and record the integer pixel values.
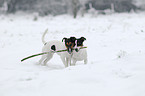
(68, 44)
(72, 45)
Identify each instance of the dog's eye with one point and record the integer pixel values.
(79, 43)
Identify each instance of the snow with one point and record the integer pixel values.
(116, 54)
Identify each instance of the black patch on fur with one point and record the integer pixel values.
(53, 47)
(80, 41)
(64, 39)
(73, 39)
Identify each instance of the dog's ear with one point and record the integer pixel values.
(64, 39)
(83, 38)
(73, 39)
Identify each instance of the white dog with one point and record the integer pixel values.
(55, 45)
(79, 54)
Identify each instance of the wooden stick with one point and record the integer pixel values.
(45, 53)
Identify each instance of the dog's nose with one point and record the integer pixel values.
(69, 51)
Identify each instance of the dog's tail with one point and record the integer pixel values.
(43, 41)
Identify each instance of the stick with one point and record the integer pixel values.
(45, 53)
(34, 56)
(41, 54)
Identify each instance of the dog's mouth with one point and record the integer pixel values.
(69, 50)
(69, 46)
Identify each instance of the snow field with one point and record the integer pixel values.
(116, 53)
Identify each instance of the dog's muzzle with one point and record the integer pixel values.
(70, 50)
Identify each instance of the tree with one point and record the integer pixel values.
(75, 5)
(11, 6)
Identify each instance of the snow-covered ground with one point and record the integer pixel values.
(116, 54)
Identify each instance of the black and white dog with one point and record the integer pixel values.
(55, 45)
(79, 54)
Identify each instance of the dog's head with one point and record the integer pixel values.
(80, 41)
(69, 43)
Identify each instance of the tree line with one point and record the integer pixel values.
(56, 7)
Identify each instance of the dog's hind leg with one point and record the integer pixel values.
(49, 56)
(63, 60)
(42, 59)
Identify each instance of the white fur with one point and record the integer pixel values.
(79, 56)
(65, 56)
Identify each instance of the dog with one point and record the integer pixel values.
(54, 45)
(79, 54)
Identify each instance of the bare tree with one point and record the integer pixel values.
(11, 6)
(56, 7)
(75, 5)
(82, 6)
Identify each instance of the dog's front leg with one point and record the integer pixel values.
(67, 62)
(49, 56)
(86, 61)
(70, 61)
(42, 59)
(74, 62)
